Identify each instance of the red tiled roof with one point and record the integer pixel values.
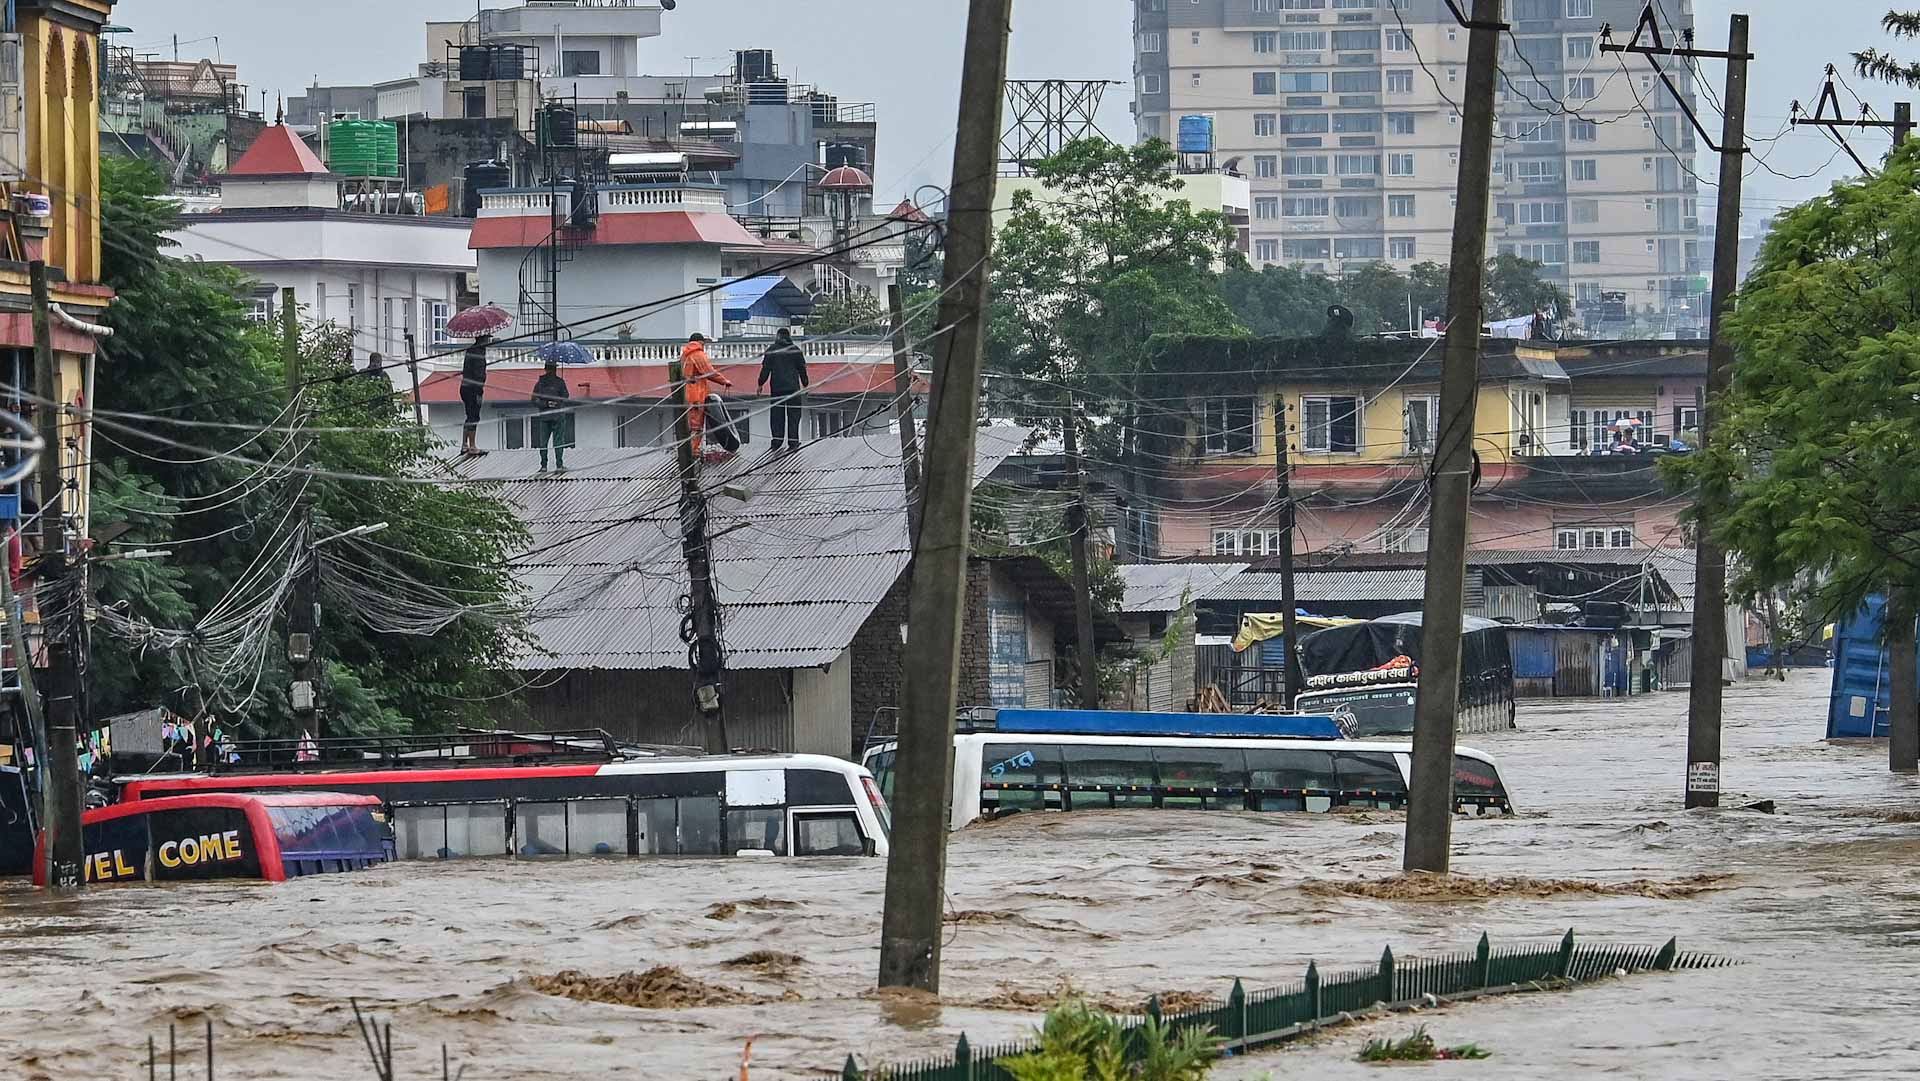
(278, 152)
(651, 227)
(603, 382)
(906, 211)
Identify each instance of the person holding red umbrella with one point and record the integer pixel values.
(473, 387)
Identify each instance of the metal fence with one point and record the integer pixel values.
(1246, 1020)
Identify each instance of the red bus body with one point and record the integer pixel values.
(210, 835)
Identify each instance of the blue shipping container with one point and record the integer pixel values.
(1860, 702)
(1196, 135)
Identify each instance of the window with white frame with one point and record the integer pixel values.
(1584, 168)
(1580, 87)
(1579, 48)
(1266, 165)
(1302, 41)
(1304, 206)
(1150, 84)
(1593, 536)
(1400, 124)
(1399, 164)
(1400, 206)
(1400, 247)
(1298, 165)
(1265, 124)
(1535, 170)
(1266, 251)
(1579, 9)
(513, 429)
(1582, 131)
(1265, 83)
(1265, 7)
(438, 312)
(1357, 164)
(1246, 542)
(1538, 213)
(1305, 123)
(1263, 42)
(1266, 207)
(1193, 79)
(1688, 418)
(1152, 42)
(1422, 422)
(1398, 40)
(1332, 424)
(1586, 251)
(1400, 81)
(262, 310)
(1404, 539)
(1227, 425)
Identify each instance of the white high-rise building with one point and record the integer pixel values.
(1344, 115)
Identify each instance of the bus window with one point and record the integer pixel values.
(1109, 776)
(1190, 776)
(1286, 779)
(420, 833)
(315, 839)
(881, 763)
(476, 829)
(1020, 775)
(821, 788)
(700, 826)
(827, 833)
(1476, 785)
(539, 829)
(1369, 779)
(757, 828)
(597, 827)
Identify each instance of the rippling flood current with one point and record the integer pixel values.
(1820, 902)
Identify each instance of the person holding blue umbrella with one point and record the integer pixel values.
(552, 406)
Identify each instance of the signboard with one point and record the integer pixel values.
(1703, 777)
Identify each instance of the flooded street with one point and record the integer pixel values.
(1819, 902)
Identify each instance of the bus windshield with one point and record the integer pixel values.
(1376, 711)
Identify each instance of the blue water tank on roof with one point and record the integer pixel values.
(1196, 135)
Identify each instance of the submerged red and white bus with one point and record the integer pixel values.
(709, 805)
(207, 835)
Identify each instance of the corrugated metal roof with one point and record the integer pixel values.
(1158, 587)
(1324, 587)
(799, 564)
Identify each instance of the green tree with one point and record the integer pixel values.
(1280, 300)
(1813, 448)
(206, 476)
(1871, 63)
(1514, 288)
(1079, 1043)
(855, 312)
(1104, 257)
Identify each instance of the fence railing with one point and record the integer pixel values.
(1246, 1020)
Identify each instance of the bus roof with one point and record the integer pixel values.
(229, 799)
(1085, 739)
(1109, 722)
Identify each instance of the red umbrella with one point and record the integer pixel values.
(485, 319)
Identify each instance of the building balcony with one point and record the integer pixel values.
(614, 199)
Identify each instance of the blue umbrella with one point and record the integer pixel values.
(564, 353)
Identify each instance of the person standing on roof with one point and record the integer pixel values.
(697, 370)
(473, 387)
(784, 366)
(552, 408)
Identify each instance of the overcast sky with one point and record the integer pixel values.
(904, 55)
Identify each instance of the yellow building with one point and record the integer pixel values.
(49, 209)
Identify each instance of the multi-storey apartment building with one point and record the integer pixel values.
(1344, 115)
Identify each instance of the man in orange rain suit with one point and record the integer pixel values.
(700, 375)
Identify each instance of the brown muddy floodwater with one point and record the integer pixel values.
(1819, 900)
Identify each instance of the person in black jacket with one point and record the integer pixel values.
(785, 367)
(551, 406)
(473, 387)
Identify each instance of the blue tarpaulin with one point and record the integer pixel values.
(769, 296)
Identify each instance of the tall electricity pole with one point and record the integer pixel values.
(1077, 527)
(60, 617)
(303, 618)
(1430, 791)
(704, 654)
(903, 409)
(1704, 697)
(1295, 680)
(911, 924)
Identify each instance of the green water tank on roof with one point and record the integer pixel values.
(363, 148)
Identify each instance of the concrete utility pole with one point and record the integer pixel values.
(1084, 650)
(1903, 682)
(910, 927)
(1430, 793)
(903, 409)
(1289, 604)
(705, 657)
(1704, 696)
(61, 769)
(303, 607)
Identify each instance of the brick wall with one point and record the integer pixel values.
(975, 650)
(878, 655)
